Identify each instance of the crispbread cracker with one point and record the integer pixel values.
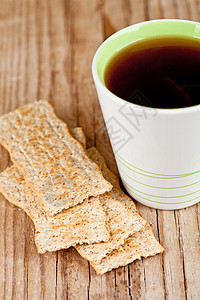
(83, 223)
(116, 191)
(140, 244)
(55, 166)
(12, 172)
(121, 224)
(97, 253)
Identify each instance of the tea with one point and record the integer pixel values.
(161, 72)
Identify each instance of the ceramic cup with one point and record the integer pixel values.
(157, 150)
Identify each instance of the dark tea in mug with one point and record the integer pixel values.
(164, 72)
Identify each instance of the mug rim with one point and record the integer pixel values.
(170, 111)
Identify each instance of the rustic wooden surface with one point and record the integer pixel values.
(46, 50)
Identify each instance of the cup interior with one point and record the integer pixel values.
(138, 32)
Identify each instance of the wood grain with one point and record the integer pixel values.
(46, 51)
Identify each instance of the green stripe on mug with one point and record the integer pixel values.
(176, 176)
(158, 187)
(167, 203)
(164, 197)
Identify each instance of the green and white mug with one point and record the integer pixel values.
(157, 150)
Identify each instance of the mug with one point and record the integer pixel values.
(157, 150)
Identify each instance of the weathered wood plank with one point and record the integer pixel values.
(61, 59)
(169, 9)
(112, 22)
(49, 274)
(173, 263)
(62, 275)
(4, 206)
(19, 264)
(33, 265)
(102, 287)
(155, 9)
(86, 40)
(190, 250)
(2, 245)
(153, 280)
(183, 10)
(31, 80)
(194, 8)
(138, 11)
(44, 51)
(78, 279)
(9, 252)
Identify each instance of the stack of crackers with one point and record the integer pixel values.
(68, 191)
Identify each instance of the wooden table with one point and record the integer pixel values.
(46, 50)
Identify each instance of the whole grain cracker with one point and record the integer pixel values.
(55, 166)
(12, 172)
(121, 223)
(98, 252)
(82, 223)
(140, 244)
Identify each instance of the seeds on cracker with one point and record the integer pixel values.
(55, 166)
